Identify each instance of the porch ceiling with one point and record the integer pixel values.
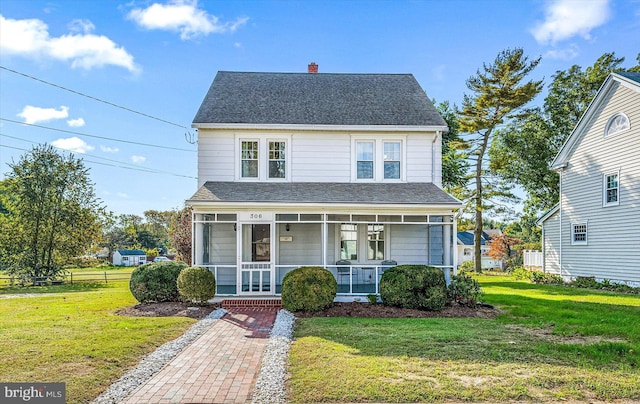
(324, 192)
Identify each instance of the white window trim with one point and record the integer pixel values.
(604, 188)
(614, 116)
(263, 157)
(378, 158)
(586, 233)
(362, 243)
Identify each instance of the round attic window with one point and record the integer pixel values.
(617, 123)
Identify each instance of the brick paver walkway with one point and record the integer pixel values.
(220, 366)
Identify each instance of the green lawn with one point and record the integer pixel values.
(69, 333)
(552, 343)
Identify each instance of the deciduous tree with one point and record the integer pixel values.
(52, 214)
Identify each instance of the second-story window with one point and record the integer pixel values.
(391, 160)
(277, 160)
(249, 159)
(364, 157)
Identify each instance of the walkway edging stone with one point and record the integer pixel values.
(155, 361)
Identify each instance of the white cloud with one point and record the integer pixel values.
(122, 195)
(562, 54)
(108, 149)
(73, 144)
(30, 38)
(76, 123)
(182, 16)
(33, 114)
(565, 19)
(138, 159)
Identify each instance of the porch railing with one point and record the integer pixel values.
(356, 279)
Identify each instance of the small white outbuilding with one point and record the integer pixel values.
(128, 258)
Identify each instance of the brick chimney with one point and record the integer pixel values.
(313, 68)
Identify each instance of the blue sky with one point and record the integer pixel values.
(159, 58)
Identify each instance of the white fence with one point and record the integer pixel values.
(532, 258)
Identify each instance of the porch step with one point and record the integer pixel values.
(251, 304)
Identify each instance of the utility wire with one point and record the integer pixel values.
(96, 136)
(113, 165)
(133, 167)
(93, 98)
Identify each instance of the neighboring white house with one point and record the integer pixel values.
(129, 258)
(595, 228)
(466, 247)
(337, 170)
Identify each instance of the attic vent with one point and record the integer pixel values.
(313, 68)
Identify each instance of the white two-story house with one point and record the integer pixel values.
(341, 171)
(595, 228)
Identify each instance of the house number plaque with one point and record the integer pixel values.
(255, 216)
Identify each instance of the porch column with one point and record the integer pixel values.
(197, 243)
(446, 242)
(324, 240)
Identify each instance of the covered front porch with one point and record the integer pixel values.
(251, 250)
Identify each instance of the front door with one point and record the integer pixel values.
(256, 270)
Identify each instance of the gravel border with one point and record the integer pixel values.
(270, 384)
(155, 361)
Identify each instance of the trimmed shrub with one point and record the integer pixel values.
(414, 287)
(546, 278)
(156, 282)
(308, 289)
(464, 290)
(521, 274)
(587, 282)
(466, 267)
(196, 284)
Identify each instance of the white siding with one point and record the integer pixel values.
(321, 158)
(317, 156)
(551, 244)
(408, 243)
(306, 246)
(613, 249)
(216, 157)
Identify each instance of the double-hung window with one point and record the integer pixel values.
(364, 159)
(611, 189)
(578, 233)
(349, 241)
(249, 156)
(277, 159)
(375, 238)
(263, 158)
(391, 160)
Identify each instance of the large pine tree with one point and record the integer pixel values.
(498, 93)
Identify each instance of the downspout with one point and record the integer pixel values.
(560, 171)
(433, 157)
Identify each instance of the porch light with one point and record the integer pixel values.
(235, 227)
(287, 227)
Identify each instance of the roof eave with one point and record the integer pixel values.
(562, 157)
(343, 205)
(307, 127)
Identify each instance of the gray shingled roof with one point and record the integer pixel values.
(317, 99)
(323, 192)
(630, 75)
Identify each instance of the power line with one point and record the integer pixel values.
(111, 165)
(144, 169)
(93, 98)
(96, 136)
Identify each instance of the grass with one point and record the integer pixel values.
(69, 333)
(552, 343)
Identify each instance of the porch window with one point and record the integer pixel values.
(375, 238)
(611, 190)
(349, 242)
(277, 160)
(249, 159)
(391, 160)
(364, 157)
(578, 233)
(260, 242)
